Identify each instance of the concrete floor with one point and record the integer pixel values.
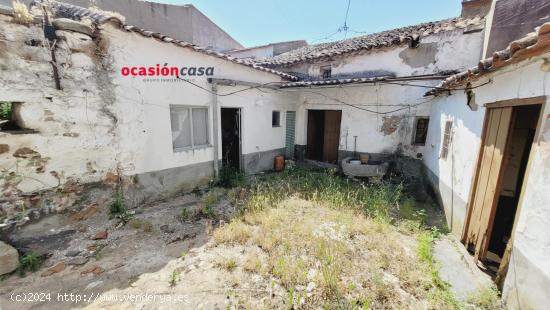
(457, 267)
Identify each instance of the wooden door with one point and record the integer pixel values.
(331, 136)
(488, 179)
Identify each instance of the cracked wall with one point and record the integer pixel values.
(379, 130)
(72, 141)
(104, 129)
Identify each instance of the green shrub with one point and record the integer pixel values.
(184, 215)
(117, 206)
(207, 212)
(29, 262)
(5, 111)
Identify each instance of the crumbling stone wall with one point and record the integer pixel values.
(70, 145)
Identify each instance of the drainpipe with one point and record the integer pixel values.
(215, 127)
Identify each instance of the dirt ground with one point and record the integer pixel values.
(297, 255)
(155, 238)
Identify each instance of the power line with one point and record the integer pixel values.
(345, 26)
(368, 110)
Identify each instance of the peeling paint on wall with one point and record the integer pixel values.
(420, 56)
(390, 124)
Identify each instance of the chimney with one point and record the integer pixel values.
(472, 8)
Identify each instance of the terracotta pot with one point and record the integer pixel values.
(279, 163)
(364, 158)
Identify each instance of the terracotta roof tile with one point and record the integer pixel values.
(100, 17)
(387, 38)
(533, 44)
(332, 82)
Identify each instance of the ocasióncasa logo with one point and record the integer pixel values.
(166, 71)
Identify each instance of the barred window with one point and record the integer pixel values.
(446, 139)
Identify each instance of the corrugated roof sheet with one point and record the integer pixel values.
(392, 37)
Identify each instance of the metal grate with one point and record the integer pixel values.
(446, 139)
(290, 133)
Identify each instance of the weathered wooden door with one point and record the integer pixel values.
(332, 135)
(488, 179)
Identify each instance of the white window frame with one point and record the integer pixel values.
(179, 107)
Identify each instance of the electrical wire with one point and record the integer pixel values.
(230, 93)
(368, 110)
(345, 26)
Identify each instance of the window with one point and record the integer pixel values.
(276, 119)
(326, 72)
(421, 130)
(446, 139)
(189, 127)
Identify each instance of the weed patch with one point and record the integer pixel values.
(29, 262)
(230, 264)
(485, 298)
(117, 208)
(440, 294)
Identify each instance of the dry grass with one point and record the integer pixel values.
(347, 256)
(21, 14)
(229, 264)
(236, 231)
(253, 264)
(333, 243)
(487, 298)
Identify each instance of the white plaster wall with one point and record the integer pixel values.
(78, 139)
(448, 50)
(367, 126)
(454, 173)
(259, 52)
(257, 106)
(144, 125)
(528, 277)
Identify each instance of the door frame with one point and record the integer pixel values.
(539, 100)
(240, 125)
(308, 120)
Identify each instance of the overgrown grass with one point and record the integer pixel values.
(314, 226)
(485, 298)
(325, 187)
(440, 293)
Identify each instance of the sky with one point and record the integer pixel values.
(258, 22)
